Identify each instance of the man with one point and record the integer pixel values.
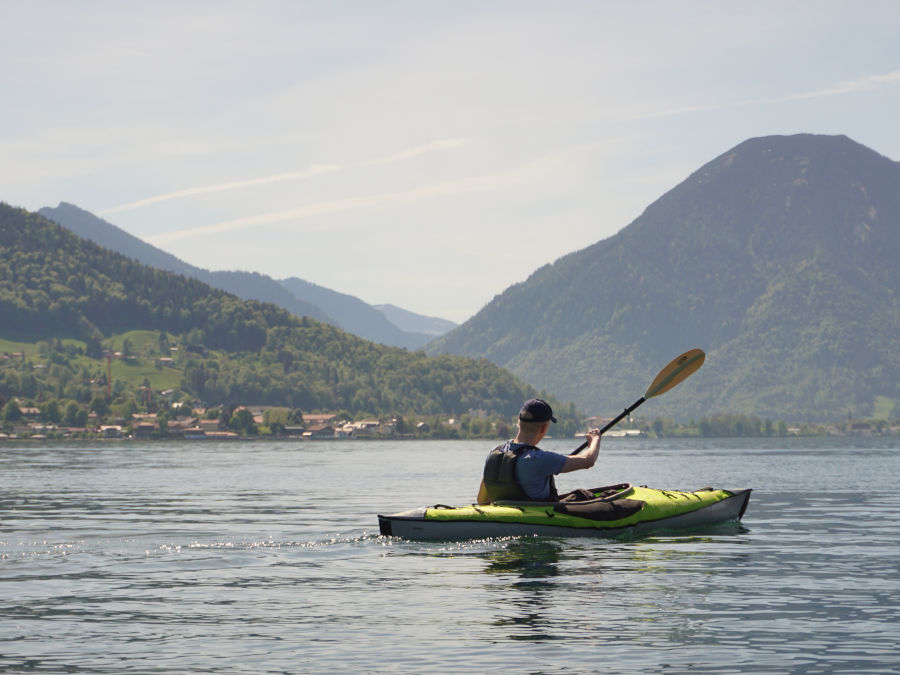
(519, 470)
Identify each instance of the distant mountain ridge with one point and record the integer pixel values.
(779, 258)
(355, 316)
(415, 323)
(295, 295)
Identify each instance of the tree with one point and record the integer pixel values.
(50, 412)
(70, 416)
(242, 422)
(163, 344)
(276, 419)
(81, 418)
(12, 412)
(99, 405)
(183, 409)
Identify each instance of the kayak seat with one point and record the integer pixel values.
(600, 509)
(600, 504)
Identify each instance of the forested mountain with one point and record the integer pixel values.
(779, 258)
(295, 295)
(55, 285)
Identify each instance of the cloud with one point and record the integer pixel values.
(224, 187)
(845, 87)
(316, 170)
(867, 83)
(528, 172)
(329, 207)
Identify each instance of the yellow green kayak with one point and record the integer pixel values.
(608, 511)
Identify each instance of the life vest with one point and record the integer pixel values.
(500, 474)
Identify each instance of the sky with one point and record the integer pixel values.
(423, 153)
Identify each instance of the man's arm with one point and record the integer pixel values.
(586, 458)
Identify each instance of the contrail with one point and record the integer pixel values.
(333, 206)
(866, 83)
(222, 187)
(315, 170)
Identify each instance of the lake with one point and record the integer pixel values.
(265, 557)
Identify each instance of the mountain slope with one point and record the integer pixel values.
(298, 297)
(354, 315)
(246, 285)
(415, 323)
(779, 258)
(56, 285)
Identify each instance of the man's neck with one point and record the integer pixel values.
(528, 439)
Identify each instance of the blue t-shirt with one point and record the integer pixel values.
(534, 468)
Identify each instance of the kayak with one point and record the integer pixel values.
(608, 511)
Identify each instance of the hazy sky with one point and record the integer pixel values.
(425, 153)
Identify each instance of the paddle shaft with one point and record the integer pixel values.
(609, 426)
(677, 370)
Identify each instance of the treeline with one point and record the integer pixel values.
(72, 296)
(722, 425)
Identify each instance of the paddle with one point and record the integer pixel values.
(678, 370)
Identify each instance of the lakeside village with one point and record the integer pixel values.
(184, 422)
(170, 415)
(27, 421)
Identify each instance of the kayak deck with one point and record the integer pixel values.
(602, 512)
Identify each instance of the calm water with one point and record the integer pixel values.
(265, 557)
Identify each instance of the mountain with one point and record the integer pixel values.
(298, 297)
(55, 285)
(779, 258)
(415, 323)
(355, 316)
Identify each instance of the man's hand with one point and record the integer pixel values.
(586, 458)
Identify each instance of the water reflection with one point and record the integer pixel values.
(527, 570)
(530, 558)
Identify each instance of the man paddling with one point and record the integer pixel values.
(519, 470)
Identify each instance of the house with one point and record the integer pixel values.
(313, 419)
(320, 432)
(208, 425)
(625, 433)
(597, 422)
(180, 427)
(30, 412)
(143, 429)
(221, 435)
(366, 428)
(111, 431)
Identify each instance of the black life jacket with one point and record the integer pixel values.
(500, 474)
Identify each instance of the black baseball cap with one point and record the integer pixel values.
(536, 410)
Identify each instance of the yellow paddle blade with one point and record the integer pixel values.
(680, 368)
